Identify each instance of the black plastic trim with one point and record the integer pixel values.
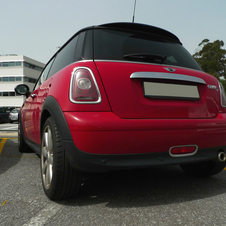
(96, 163)
(140, 28)
(35, 147)
(53, 108)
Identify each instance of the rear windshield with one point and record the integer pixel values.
(132, 46)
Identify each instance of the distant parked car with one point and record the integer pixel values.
(13, 115)
(122, 96)
(4, 113)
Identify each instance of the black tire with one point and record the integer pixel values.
(22, 146)
(203, 169)
(59, 179)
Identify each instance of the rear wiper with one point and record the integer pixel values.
(146, 57)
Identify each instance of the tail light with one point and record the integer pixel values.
(83, 87)
(223, 95)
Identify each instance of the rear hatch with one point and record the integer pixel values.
(149, 91)
(148, 74)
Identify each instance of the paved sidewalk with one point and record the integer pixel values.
(8, 134)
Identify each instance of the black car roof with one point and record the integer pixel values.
(128, 26)
(140, 28)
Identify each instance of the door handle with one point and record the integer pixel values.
(33, 95)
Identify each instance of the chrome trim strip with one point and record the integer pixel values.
(95, 83)
(169, 76)
(183, 155)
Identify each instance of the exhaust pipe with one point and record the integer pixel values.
(221, 156)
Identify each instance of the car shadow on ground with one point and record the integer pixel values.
(147, 187)
(8, 157)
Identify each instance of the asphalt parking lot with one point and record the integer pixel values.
(156, 196)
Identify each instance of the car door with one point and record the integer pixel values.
(32, 106)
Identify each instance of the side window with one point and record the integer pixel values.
(88, 46)
(44, 74)
(84, 47)
(79, 47)
(64, 57)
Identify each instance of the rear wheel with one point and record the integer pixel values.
(203, 169)
(59, 179)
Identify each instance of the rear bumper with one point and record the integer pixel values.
(97, 163)
(102, 141)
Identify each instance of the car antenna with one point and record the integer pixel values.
(134, 10)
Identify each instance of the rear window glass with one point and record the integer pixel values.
(131, 46)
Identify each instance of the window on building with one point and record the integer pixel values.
(32, 66)
(31, 80)
(8, 94)
(11, 64)
(18, 78)
(11, 79)
(11, 94)
(18, 63)
(5, 64)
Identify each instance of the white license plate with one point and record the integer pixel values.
(170, 91)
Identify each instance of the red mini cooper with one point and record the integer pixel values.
(122, 96)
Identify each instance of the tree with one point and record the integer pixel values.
(212, 58)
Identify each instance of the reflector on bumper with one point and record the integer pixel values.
(180, 151)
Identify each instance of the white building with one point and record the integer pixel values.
(16, 70)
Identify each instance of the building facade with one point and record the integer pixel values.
(14, 70)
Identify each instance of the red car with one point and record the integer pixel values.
(122, 96)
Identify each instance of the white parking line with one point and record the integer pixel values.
(41, 218)
(11, 128)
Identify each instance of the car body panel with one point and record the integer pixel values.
(127, 99)
(106, 133)
(31, 112)
(61, 93)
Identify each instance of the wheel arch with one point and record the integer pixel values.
(52, 108)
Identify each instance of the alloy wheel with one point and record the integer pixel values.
(47, 157)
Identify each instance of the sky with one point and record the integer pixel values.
(36, 28)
